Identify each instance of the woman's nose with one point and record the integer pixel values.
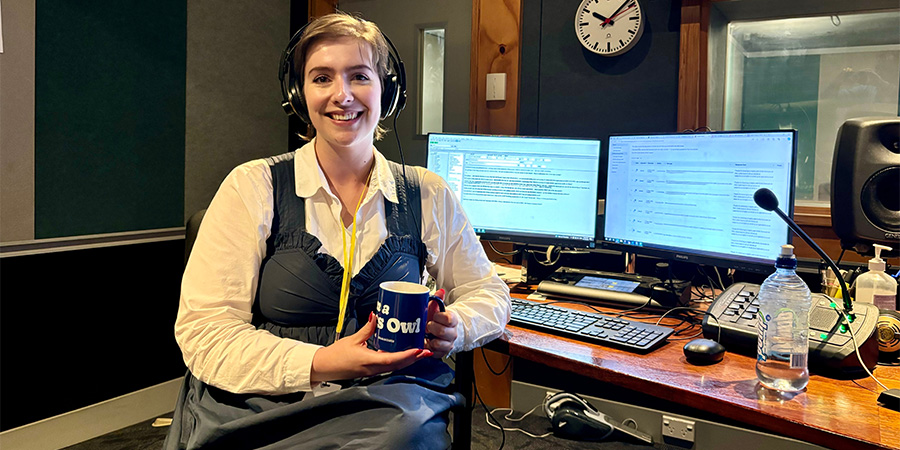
(342, 92)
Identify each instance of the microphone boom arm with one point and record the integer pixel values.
(848, 305)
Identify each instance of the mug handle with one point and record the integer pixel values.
(442, 307)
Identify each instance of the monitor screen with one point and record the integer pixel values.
(529, 190)
(689, 196)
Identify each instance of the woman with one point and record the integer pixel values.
(274, 336)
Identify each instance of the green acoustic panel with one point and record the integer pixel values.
(109, 116)
(781, 92)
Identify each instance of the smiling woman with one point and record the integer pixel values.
(279, 290)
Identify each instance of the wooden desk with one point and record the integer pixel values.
(831, 413)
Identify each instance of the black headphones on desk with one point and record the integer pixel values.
(573, 417)
(393, 96)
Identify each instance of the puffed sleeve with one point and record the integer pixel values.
(219, 344)
(456, 260)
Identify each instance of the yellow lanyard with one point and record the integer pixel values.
(348, 257)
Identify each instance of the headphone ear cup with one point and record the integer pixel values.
(296, 98)
(389, 96)
(560, 400)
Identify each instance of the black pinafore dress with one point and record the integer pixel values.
(298, 298)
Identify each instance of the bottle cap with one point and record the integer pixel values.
(786, 259)
(877, 264)
(787, 250)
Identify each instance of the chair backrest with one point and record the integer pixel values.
(190, 232)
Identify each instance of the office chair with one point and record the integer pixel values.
(465, 375)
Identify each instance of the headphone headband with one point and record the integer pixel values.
(393, 95)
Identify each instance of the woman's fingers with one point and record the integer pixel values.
(443, 326)
(349, 357)
(443, 330)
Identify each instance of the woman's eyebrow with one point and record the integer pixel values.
(361, 67)
(330, 69)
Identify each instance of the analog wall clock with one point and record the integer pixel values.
(609, 27)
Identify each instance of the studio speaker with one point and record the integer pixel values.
(865, 184)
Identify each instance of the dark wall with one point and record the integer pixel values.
(568, 91)
(113, 133)
(109, 116)
(84, 326)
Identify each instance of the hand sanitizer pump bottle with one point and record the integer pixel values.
(875, 286)
(783, 327)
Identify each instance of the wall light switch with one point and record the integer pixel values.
(496, 86)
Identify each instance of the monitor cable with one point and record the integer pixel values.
(719, 276)
(512, 253)
(486, 363)
(681, 308)
(549, 260)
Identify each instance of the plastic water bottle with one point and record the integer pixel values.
(783, 327)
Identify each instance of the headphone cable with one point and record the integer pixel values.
(488, 412)
(405, 181)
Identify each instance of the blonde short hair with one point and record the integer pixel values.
(339, 25)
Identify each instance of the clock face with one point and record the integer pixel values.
(609, 27)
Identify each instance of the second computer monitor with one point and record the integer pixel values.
(689, 196)
(529, 190)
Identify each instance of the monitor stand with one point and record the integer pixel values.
(618, 289)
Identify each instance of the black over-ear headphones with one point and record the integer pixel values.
(573, 417)
(393, 96)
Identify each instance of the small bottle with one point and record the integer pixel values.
(875, 286)
(783, 327)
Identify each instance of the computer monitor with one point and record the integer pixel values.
(522, 189)
(689, 196)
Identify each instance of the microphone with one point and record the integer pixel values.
(767, 200)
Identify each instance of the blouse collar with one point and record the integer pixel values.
(310, 177)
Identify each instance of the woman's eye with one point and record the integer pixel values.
(320, 79)
(361, 77)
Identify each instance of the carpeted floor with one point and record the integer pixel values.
(144, 436)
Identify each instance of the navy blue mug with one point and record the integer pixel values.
(401, 313)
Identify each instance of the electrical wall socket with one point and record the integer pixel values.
(678, 428)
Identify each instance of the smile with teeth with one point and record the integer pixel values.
(345, 116)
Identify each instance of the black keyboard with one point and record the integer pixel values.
(594, 328)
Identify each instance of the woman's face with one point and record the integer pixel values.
(342, 91)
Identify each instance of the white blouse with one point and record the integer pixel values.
(221, 347)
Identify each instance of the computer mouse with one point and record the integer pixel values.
(703, 352)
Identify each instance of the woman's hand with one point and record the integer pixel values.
(350, 358)
(442, 326)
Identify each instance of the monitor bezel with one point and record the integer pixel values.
(740, 263)
(530, 238)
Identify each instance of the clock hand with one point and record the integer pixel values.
(616, 12)
(610, 20)
(599, 16)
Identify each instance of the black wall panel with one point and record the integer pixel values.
(84, 326)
